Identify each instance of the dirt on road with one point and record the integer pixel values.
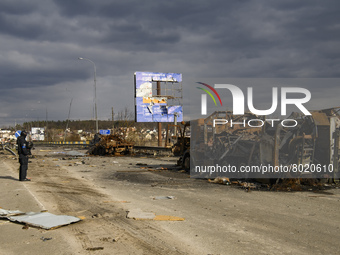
(218, 219)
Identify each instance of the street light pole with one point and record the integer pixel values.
(95, 91)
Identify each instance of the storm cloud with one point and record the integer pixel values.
(40, 42)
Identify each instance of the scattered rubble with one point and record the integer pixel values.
(163, 197)
(220, 180)
(95, 248)
(283, 184)
(110, 145)
(141, 164)
(138, 214)
(296, 184)
(45, 238)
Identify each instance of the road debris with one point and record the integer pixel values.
(110, 145)
(163, 197)
(168, 218)
(45, 238)
(6, 213)
(283, 184)
(26, 227)
(97, 215)
(243, 184)
(95, 248)
(141, 164)
(220, 180)
(299, 184)
(43, 220)
(108, 239)
(138, 214)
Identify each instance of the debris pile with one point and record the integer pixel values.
(310, 145)
(299, 184)
(282, 184)
(138, 214)
(110, 145)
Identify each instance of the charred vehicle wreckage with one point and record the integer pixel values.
(110, 145)
(248, 141)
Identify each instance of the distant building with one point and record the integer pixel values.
(38, 134)
(5, 131)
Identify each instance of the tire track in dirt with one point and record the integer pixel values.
(105, 225)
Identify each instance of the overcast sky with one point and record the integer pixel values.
(41, 40)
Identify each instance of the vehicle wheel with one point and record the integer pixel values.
(186, 163)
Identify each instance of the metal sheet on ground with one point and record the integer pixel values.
(5, 213)
(44, 220)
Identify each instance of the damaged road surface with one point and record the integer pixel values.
(194, 216)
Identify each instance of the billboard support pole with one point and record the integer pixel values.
(159, 123)
(175, 124)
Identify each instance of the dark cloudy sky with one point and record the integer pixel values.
(41, 40)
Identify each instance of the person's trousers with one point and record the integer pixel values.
(23, 160)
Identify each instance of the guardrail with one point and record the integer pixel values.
(77, 143)
(82, 143)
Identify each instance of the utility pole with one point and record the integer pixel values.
(46, 126)
(68, 120)
(159, 123)
(113, 121)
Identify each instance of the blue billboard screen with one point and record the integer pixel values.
(151, 107)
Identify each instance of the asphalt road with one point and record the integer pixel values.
(218, 219)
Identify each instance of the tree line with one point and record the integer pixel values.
(85, 125)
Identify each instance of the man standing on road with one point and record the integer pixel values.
(23, 152)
